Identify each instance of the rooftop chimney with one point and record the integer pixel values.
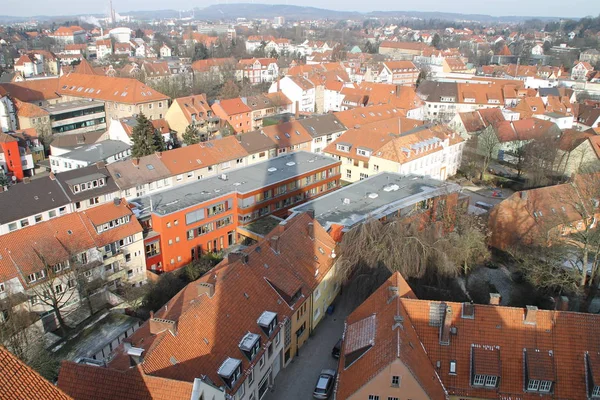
(275, 244)
(158, 325)
(100, 164)
(530, 315)
(495, 299)
(117, 201)
(136, 161)
(446, 325)
(311, 230)
(297, 115)
(207, 289)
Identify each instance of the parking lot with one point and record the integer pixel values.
(297, 380)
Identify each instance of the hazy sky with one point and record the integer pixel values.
(554, 8)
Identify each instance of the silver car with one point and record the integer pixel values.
(325, 383)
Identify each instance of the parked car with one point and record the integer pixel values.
(485, 206)
(324, 385)
(335, 352)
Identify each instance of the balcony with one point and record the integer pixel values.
(82, 118)
(214, 119)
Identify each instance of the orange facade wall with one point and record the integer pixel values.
(181, 242)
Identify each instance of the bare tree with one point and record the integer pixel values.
(487, 145)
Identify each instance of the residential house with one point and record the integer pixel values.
(165, 51)
(16, 160)
(192, 110)
(104, 48)
(103, 244)
(581, 70)
(272, 308)
(28, 65)
(87, 187)
(39, 200)
(266, 105)
(107, 151)
(472, 123)
(578, 152)
(137, 177)
(234, 114)
(324, 129)
(299, 90)
(289, 136)
(62, 144)
(69, 35)
(8, 115)
(546, 214)
(123, 130)
(214, 157)
(123, 97)
(591, 56)
(587, 117)
(397, 145)
(215, 69)
(398, 73)
(402, 50)
(257, 70)
(258, 146)
(429, 360)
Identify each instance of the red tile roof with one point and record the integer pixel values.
(232, 106)
(33, 90)
(87, 382)
(20, 382)
(120, 90)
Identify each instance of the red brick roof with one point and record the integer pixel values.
(120, 90)
(232, 106)
(373, 328)
(20, 382)
(86, 382)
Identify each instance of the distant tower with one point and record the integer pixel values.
(111, 16)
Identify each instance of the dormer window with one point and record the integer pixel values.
(250, 345)
(539, 370)
(230, 371)
(485, 362)
(363, 152)
(343, 147)
(267, 321)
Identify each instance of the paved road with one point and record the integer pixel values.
(297, 380)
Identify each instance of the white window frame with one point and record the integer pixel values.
(596, 391)
(533, 385)
(261, 362)
(478, 380)
(453, 367)
(545, 386)
(491, 381)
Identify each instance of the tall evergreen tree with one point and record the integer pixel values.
(142, 137)
(158, 141)
(191, 135)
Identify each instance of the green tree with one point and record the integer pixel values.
(191, 135)
(200, 52)
(158, 141)
(436, 41)
(143, 137)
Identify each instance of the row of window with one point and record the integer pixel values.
(89, 185)
(13, 226)
(113, 224)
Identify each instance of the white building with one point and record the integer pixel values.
(107, 151)
(165, 51)
(299, 90)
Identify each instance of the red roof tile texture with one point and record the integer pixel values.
(20, 382)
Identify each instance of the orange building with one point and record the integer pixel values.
(236, 113)
(192, 219)
(11, 157)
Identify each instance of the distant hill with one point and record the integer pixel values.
(291, 12)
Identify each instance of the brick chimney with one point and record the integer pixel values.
(275, 244)
(530, 315)
(311, 230)
(297, 114)
(446, 324)
(495, 299)
(158, 325)
(136, 161)
(207, 289)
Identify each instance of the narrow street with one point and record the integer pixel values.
(297, 381)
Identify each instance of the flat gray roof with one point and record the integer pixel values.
(377, 196)
(241, 180)
(96, 151)
(74, 105)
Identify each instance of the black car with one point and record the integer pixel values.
(335, 352)
(324, 385)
